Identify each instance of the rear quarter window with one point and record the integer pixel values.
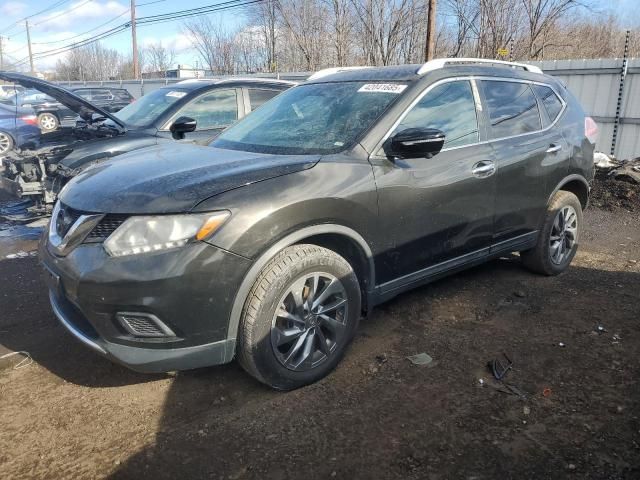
(258, 96)
(552, 104)
(512, 106)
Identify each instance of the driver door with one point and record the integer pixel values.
(438, 211)
(213, 111)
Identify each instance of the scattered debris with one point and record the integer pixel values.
(382, 358)
(499, 368)
(25, 362)
(600, 329)
(420, 359)
(526, 410)
(22, 254)
(519, 294)
(616, 339)
(616, 183)
(546, 392)
(561, 344)
(481, 382)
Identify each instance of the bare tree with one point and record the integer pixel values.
(159, 58)
(542, 16)
(91, 62)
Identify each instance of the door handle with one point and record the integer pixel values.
(554, 147)
(484, 169)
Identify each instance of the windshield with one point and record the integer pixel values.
(147, 109)
(311, 119)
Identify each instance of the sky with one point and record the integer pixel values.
(53, 28)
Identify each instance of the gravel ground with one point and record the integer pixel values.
(71, 414)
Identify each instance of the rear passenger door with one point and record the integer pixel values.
(529, 155)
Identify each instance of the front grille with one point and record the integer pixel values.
(106, 227)
(144, 325)
(65, 219)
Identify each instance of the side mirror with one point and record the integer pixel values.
(416, 143)
(181, 126)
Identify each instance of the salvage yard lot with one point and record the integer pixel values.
(72, 414)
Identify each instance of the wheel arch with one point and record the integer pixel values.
(343, 240)
(575, 184)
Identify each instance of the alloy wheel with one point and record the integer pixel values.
(310, 321)
(48, 122)
(563, 234)
(5, 143)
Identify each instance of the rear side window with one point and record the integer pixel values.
(258, 96)
(122, 95)
(86, 94)
(101, 94)
(551, 102)
(449, 107)
(513, 109)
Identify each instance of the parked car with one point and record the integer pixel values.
(335, 196)
(52, 114)
(18, 129)
(9, 91)
(189, 111)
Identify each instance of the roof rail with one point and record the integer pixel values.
(330, 71)
(441, 62)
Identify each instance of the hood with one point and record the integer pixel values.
(70, 100)
(84, 152)
(172, 178)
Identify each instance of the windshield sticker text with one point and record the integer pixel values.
(382, 88)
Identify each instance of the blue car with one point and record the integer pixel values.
(18, 128)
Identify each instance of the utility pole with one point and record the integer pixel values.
(430, 46)
(134, 42)
(1, 55)
(29, 45)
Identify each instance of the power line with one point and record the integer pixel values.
(147, 20)
(17, 22)
(83, 33)
(64, 12)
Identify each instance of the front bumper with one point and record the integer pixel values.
(190, 289)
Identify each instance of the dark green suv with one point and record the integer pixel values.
(340, 193)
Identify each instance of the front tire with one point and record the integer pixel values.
(299, 317)
(48, 122)
(558, 238)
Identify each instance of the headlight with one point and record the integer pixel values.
(150, 234)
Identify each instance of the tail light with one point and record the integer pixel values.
(590, 129)
(30, 119)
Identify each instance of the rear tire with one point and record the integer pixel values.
(48, 122)
(558, 237)
(299, 317)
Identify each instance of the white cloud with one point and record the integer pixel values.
(79, 13)
(13, 9)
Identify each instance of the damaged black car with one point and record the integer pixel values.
(192, 111)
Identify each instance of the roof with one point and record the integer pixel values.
(412, 72)
(197, 83)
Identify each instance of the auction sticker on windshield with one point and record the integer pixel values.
(383, 87)
(176, 94)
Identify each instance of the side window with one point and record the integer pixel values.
(86, 94)
(101, 94)
(217, 108)
(550, 100)
(513, 109)
(449, 107)
(258, 96)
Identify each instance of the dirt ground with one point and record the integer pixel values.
(71, 414)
